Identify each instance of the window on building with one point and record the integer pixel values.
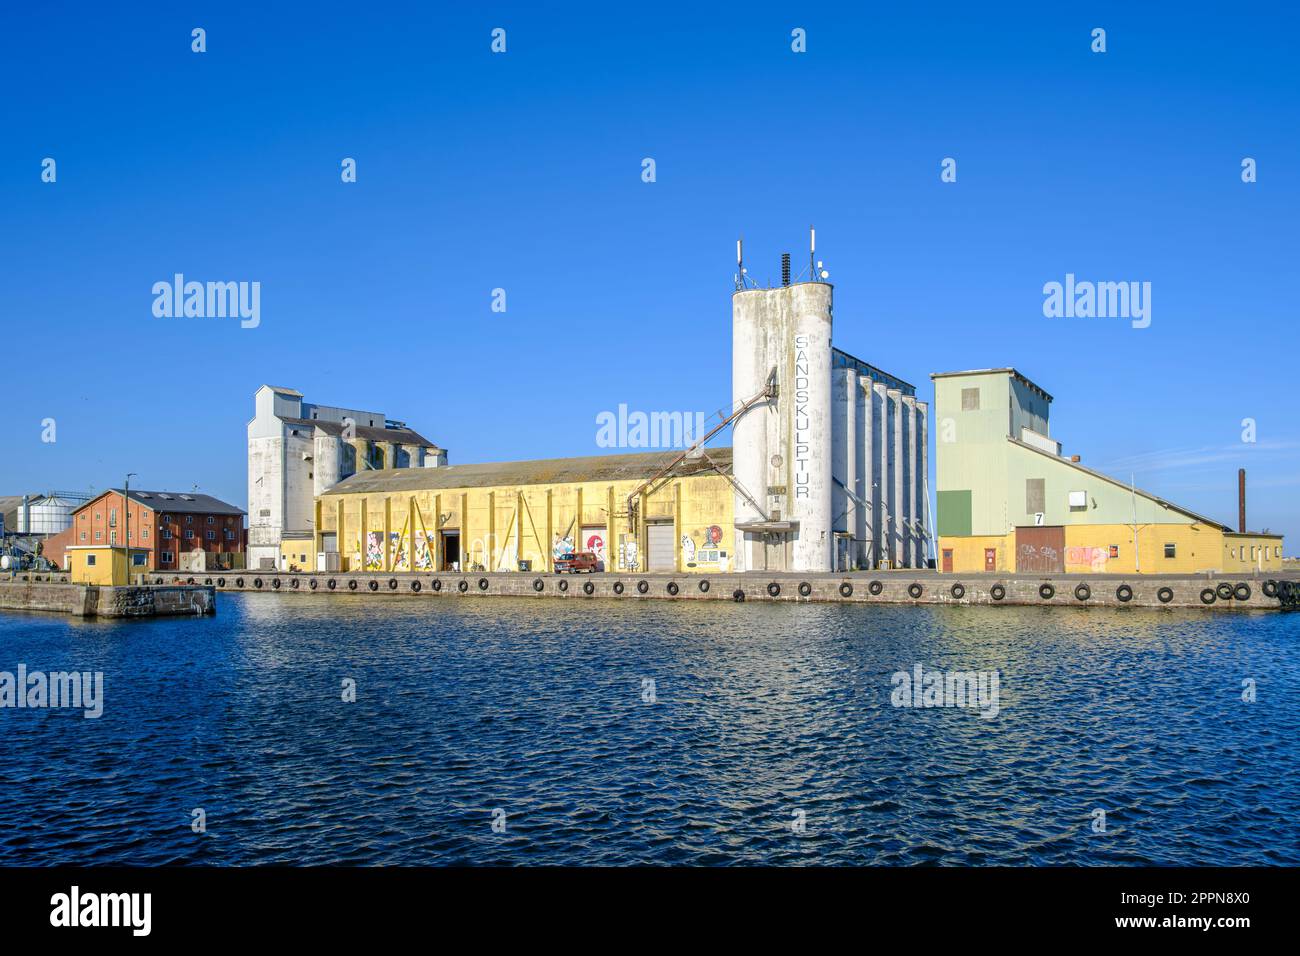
(1035, 495)
(90, 560)
(112, 517)
(83, 536)
(112, 537)
(188, 534)
(211, 520)
(145, 534)
(167, 534)
(230, 535)
(165, 557)
(1171, 551)
(970, 399)
(138, 560)
(1078, 501)
(1277, 551)
(99, 536)
(189, 519)
(210, 535)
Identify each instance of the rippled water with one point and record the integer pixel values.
(761, 710)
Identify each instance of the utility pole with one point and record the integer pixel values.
(126, 511)
(1137, 551)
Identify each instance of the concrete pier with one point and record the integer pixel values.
(49, 593)
(903, 587)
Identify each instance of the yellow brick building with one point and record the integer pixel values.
(1008, 501)
(506, 516)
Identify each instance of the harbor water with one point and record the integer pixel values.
(346, 729)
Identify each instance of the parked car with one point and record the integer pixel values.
(577, 562)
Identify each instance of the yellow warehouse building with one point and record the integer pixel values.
(507, 516)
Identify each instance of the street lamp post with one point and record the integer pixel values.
(126, 510)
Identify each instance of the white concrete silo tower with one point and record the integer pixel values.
(782, 445)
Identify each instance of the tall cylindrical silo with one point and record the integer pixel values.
(749, 370)
(807, 401)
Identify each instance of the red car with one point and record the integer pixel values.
(577, 562)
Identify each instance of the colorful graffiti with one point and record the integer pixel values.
(423, 553)
(375, 551)
(595, 543)
(401, 560)
(1094, 558)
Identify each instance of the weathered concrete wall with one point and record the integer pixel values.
(45, 595)
(83, 600)
(900, 588)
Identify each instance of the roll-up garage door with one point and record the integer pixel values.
(662, 555)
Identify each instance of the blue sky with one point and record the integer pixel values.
(522, 171)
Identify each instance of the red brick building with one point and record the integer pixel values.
(179, 531)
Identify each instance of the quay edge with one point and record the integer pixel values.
(1164, 591)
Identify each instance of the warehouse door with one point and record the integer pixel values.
(593, 540)
(661, 555)
(450, 550)
(1040, 550)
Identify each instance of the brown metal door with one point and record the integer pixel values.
(947, 560)
(990, 559)
(1040, 550)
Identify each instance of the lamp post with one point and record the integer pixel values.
(126, 510)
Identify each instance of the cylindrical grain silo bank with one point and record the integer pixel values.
(782, 446)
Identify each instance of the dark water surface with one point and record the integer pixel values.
(761, 710)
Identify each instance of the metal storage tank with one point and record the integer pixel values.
(47, 515)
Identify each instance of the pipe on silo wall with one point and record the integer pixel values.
(910, 534)
(844, 449)
(895, 476)
(861, 469)
(880, 473)
(923, 481)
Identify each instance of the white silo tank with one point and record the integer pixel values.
(749, 371)
(807, 402)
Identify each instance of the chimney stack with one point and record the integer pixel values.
(1241, 500)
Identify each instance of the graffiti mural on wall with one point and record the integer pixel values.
(401, 560)
(1094, 558)
(375, 551)
(423, 554)
(707, 554)
(563, 545)
(594, 541)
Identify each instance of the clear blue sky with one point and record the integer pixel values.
(522, 171)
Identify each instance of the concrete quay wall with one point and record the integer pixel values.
(1167, 591)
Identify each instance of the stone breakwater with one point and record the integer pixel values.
(88, 600)
(1164, 591)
